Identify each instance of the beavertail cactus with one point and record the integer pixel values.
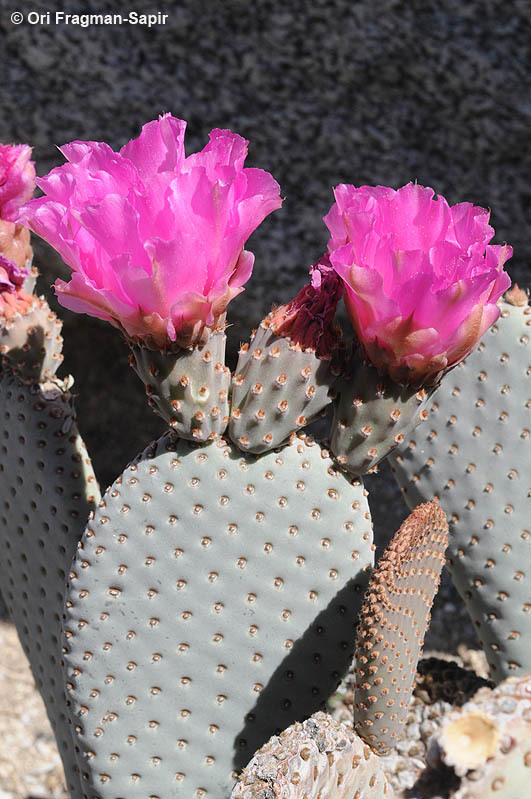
(421, 285)
(30, 333)
(440, 687)
(188, 388)
(47, 489)
(372, 415)
(394, 617)
(30, 342)
(213, 596)
(421, 279)
(284, 377)
(507, 775)
(318, 758)
(473, 453)
(211, 603)
(154, 239)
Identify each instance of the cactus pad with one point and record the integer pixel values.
(189, 388)
(372, 416)
(318, 758)
(211, 604)
(30, 341)
(278, 387)
(393, 621)
(47, 488)
(474, 455)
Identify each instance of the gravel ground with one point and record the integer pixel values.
(30, 766)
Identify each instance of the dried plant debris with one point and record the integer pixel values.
(486, 744)
(315, 759)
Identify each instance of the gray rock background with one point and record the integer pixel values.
(329, 91)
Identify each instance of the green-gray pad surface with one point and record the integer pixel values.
(214, 602)
(277, 388)
(474, 453)
(47, 488)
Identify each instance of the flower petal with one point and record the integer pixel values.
(421, 280)
(416, 220)
(155, 238)
(159, 148)
(17, 179)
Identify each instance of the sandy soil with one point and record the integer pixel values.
(30, 766)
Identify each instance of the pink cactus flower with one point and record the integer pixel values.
(17, 179)
(11, 275)
(421, 280)
(13, 300)
(154, 238)
(17, 184)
